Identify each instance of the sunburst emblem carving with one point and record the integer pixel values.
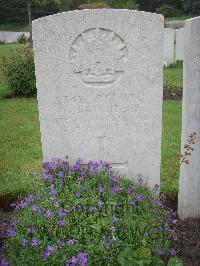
(98, 56)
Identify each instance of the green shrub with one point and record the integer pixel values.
(169, 11)
(19, 71)
(88, 213)
(2, 42)
(22, 39)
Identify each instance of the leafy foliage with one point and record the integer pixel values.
(191, 6)
(88, 213)
(169, 11)
(22, 39)
(19, 71)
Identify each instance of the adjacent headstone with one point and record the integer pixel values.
(99, 80)
(189, 183)
(180, 44)
(11, 37)
(169, 37)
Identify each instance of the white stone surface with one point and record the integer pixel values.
(169, 37)
(189, 183)
(99, 79)
(11, 37)
(180, 44)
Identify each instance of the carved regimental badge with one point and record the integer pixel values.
(98, 56)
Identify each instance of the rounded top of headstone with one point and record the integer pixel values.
(101, 11)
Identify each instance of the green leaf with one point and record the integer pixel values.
(175, 262)
(131, 257)
(156, 260)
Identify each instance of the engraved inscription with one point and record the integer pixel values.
(98, 56)
(114, 111)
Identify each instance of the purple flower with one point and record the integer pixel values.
(34, 243)
(130, 190)
(101, 204)
(152, 200)
(53, 192)
(113, 180)
(113, 229)
(23, 204)
(49, 214)
(14, 223)
(104, 164)
(78, 195)
(94, 169)
(161, 218)
(175, 236)
(56, 204)
(3, 262)
(110, 171)
(114, 239)
(35, 208)
(31, 198)
(39, 212)
(63, 165)
(83, 172)
(132, 203)
(48, 252)
(73, 260)
(82, 259)
(107, 246)
(30, 230)
(60, 174)
(101, 189)
(60, 243)
(62, 213)
(71, 241)
(139, 197)
(172, 252)
(61, 223)
(75, 208)
(50, 249)
(25, 242)
(11, 232)
(114, 190)
(116, 219)
(158, 251)
(47, 177)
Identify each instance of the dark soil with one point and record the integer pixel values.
(170, 94)
(189, 232)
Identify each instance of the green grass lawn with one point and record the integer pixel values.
(18, 27)
(20, 146)
(173, 78)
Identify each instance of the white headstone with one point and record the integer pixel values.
(189, 183)
(180, 44)
(169, 36)
(11, 37)
(99, 80)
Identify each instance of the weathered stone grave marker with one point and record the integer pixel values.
(189, 183)
(99, 79)
(180, 44)
(169, 37)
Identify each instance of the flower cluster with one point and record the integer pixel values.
(188, 149)
(83, 213)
